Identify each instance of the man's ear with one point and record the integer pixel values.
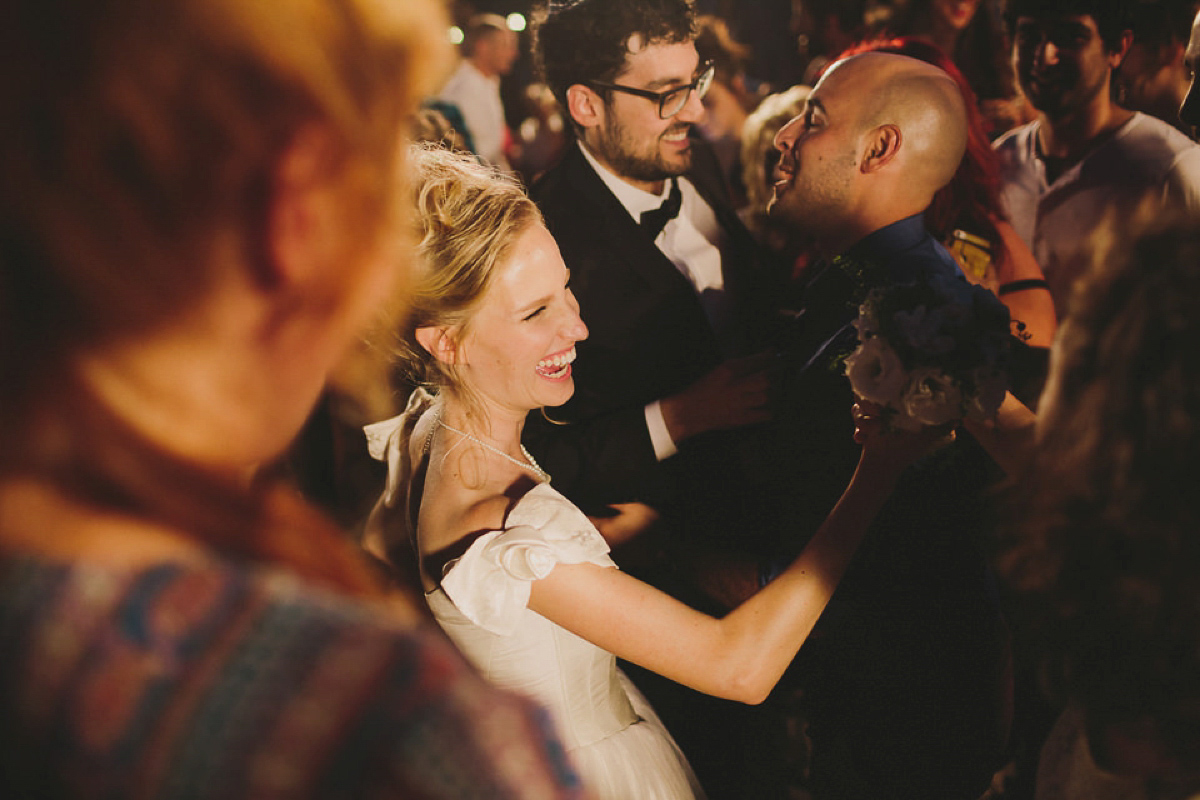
(1117, 56)
(585, 106)
(440, 342)
(882, 145)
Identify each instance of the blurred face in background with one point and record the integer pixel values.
(1148, 79)
(497, 52)
(1189, 112)
(955, 14)
(1061, 63)
(723, 113)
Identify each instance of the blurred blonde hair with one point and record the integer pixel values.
(140, 146)
(758, 140)
(141, 140)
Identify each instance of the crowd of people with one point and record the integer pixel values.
(649, 524)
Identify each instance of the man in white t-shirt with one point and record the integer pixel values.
(1076, 178)
(490, 49)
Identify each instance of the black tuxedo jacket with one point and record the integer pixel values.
(649, 338)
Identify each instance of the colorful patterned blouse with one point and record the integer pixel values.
(222, 681)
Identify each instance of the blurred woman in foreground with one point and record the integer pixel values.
(199, 217)
(1105, 553)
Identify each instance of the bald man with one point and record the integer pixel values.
(904, 680)
(879, 135)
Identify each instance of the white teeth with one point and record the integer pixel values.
(558, 363)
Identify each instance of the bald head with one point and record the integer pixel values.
(879, 135)
(920, 100)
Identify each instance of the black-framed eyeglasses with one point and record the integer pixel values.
(672, 101)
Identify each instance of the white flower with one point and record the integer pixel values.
(932, 397)
(866, 324)
(875, 372)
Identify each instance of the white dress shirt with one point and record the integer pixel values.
(693, 242)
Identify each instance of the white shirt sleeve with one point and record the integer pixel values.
(664, 445)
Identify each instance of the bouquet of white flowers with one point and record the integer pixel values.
(931, 352)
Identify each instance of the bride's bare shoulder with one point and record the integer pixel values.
(449, 525)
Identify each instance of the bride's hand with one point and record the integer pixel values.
(891, 445)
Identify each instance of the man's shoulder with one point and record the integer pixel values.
(1143, 127)
(1159, 142)
(466, 77)
(1144, 153)
(905, 244)
(926, 260)
(571, 195)
(1016, 136)
(554, 182)
(1013, 148)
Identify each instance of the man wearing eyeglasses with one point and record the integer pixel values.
(670, 388)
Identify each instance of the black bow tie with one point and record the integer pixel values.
(654, 220)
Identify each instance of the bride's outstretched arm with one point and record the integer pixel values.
(742, 655)
(1009, 438)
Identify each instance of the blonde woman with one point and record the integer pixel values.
(199, 217)
(518, 577)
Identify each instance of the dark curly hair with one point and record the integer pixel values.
(1112, 17)
(1106, 552)
(588, 40)
(1160, 23)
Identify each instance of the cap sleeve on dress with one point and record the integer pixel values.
(490, 583)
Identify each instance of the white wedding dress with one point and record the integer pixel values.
(614, 738)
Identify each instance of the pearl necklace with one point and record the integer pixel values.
(532, 464)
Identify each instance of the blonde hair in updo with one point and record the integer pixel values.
(468, 217)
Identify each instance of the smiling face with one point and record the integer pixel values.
(631, 139)
(517, 352)
(1062, 64)
(819, 156)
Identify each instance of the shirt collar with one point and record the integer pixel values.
(894, 238)
(634, 199)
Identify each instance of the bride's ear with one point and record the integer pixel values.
(440, 342)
